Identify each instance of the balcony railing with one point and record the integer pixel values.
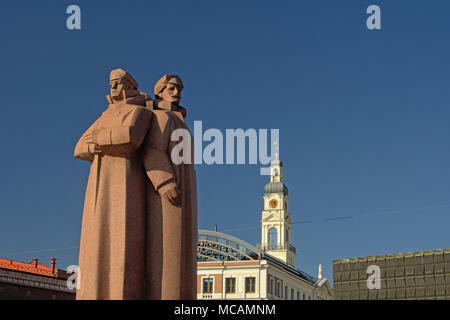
(277, 247)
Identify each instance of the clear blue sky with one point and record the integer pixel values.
(363, 115)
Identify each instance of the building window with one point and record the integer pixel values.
(208, 285)
(271, 286)
(230, 285)
(250, 284)
(278, 289)
(298, 295)
(285, 293)
(272, 238)
(304, 297)
(292, 294)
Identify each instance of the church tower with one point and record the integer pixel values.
(276, 220)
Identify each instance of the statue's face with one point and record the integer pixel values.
(117, 86)
(171, 93)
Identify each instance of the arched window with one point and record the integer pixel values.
(272, 238)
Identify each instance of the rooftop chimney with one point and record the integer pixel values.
(53, 260)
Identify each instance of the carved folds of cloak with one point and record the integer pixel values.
(112, 248)
(172, 237)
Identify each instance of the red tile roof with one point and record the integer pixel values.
(32, 267)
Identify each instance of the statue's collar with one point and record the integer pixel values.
(169, 106)
(138, 99)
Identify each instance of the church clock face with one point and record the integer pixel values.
(273, 203)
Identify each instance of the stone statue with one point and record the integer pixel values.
(113, 235)
(171, 256)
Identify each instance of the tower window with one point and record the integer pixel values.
(272, 238)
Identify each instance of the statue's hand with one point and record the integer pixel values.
(93, 147)
(170, 192)
(88, 138)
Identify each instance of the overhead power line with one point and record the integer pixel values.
(382, 213)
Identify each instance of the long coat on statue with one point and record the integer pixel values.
(111, 260)
(171, 257)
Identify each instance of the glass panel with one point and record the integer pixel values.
(232, 244)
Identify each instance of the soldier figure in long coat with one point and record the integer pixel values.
(112, 248)
(171, 258)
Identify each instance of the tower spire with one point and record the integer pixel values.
(276, 220)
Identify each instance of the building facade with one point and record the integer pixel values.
(422, 275)
(229, 268)
(33, 281)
